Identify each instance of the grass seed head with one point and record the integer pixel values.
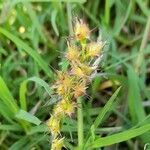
(81, 30)
(84, 57)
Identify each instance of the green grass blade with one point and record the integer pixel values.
(20, 143)
(136, 108)
(28, 50)
(105, 109)
(27, 117)
(38, 129)
(23, 90)
(7, 127)
(22, 94)
(41, 83)
(121, 22)
(143, 7)
(120, 137)
(53, 21)
(34, 19)
(4, 111)
(101, 115)
(107, 11)
(6, 97)
(134, 98)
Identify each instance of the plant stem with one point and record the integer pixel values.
(107, 11)
(80, 122)
(69, 18)
(142, 47)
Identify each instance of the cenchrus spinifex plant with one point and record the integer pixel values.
(21, 113)
(83, 56)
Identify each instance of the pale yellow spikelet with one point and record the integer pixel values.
(77, 71)
(58, 111)
(82, 70)
(57, 144)
(81, 30)
(80, 89)
(63, 84)
(94, 48)
(54, 125)
(86, 69)
(68, 107)
(72, 54)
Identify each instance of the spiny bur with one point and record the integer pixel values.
(83, 56)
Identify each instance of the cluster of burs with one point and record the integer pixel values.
(83, 56)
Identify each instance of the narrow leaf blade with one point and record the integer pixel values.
(120, 137)
(27, 117)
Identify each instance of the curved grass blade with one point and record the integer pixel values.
(28, 50)
(105, 109)
(134, 98)
(120, 137)
(6, 97)
(27, 117)
(20, 143)
(101, 115)
(7, 127)
(53, 21)
(23, 90)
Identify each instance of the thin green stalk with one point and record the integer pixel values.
(80, 122)
(69, 18)
(142, 47)
(107, 11)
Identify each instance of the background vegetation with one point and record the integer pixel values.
(32, 42)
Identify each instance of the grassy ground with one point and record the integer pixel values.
(32, 42)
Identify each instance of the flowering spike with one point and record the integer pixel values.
(84, 57)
